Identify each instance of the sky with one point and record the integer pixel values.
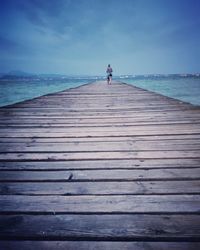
(81, 37)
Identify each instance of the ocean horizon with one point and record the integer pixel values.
(14, 89)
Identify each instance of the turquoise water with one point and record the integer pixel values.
(184, 89)
(15, 90)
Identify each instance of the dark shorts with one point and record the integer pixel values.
(109, 75)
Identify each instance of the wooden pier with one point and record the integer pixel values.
(104, 167)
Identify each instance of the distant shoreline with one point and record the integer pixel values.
(24, 76)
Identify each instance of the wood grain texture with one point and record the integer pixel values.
(100, 245)
(100, 204)
(99, 175)
(100, 167)
(128, 145)
(102, 188)
(101, 164)
(109, 155)
(96, 227)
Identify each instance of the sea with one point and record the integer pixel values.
(185, 88)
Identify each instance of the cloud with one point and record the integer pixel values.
(81, 34)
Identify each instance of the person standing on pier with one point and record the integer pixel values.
(109, 74)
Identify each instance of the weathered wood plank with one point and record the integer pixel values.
(101, 131)
(128, 145)
(151, 128)
(69, 105)
(158, 138)
(100, 204)
(77, 175)
(94, 113)
(105, 114)
(138, 117)
(102, 188)
(98, 134)
(71, 108)
(99, 155)
(102, 164)
(100, 245)
(72, 116)
(89, 125)
(96, 227)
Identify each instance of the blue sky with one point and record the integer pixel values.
(83, 36)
